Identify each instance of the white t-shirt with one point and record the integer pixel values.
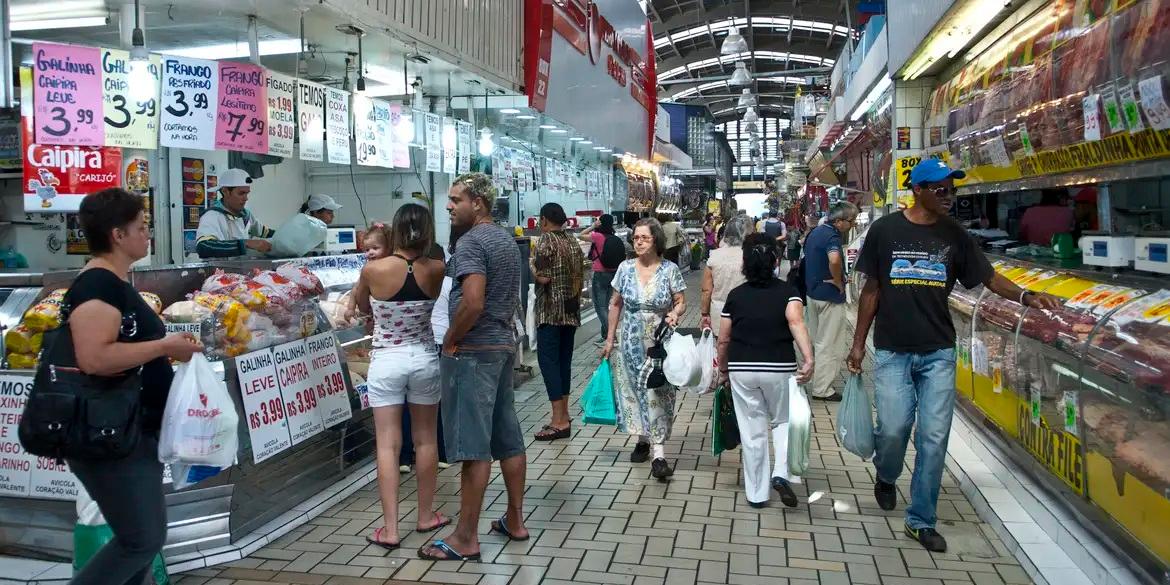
(440, 320)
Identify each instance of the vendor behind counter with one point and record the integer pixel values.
(227, 229)
(1050, 217)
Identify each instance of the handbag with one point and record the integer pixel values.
(73, 415)
(724, 426)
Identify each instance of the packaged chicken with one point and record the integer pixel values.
(233, 314)
(21, 339)
(22, 361)
(43, 316)
(222, 283)
(186, 312)
(304, 278)
(285, 291)
(335, 312)
(153, 301)
(253, 295)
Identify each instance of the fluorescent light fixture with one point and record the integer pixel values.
(751, 116)
(576, 139)
(606, 150)
(547, 127)
(757, 55)
(559, 131)
(779, 23)
(946, 40)
(586, 142)
(50, 23)
(525, 117)
(58, 14)
(871, 98)
(509, 111)
(236, 50)
(746, 98)
(598, 148)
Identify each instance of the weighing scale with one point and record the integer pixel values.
(338, 240)
(1151, 252)
(1107, 250)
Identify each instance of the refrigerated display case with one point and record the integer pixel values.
(1080, 395)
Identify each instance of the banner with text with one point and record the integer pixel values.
(130, 113)
(311, 119)
(337, 126)
(190, 88)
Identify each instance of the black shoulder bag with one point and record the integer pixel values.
(73, 415)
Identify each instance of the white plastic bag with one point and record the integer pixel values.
(799, 427)
(200, 421)
(681, 366)
(707, 357)
(297, 236)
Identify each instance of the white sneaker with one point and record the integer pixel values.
(403, 469)
(444, 465)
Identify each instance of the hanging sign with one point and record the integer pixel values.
(371, 127)
(337, 126)
(297, 391)
(130, 113)
(189, 90)
(402, 129)
(450, 142)
(383, 134)
(282, 120)
(434, 148)
(242, 121)
(311, 99)
(464, 147)
(67, 101)
(328, 380)
(263, 405)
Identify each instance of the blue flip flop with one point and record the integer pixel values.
(451, 554)
(501, 526)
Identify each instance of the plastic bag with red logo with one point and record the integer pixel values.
(222, 283)
(200, 420)
(284, 291)
(303, 277)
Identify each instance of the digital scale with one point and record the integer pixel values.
(1151, 251)
(338, 240)
(1107, 250)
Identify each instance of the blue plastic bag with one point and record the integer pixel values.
(855, 419)
(597, 402)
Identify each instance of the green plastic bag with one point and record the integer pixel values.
(724, 426)
(855, 419)
(88, 539)
(597, 402)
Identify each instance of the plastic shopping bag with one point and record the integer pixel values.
(799, 427)
(91, 532)
(200, 420)
(855, 419)
(707, 357)
(681, 366)
(300, 234)
(598, 402)
(724, 426)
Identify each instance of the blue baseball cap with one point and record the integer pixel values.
(933, 170)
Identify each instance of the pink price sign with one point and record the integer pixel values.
(242, 119)
(67, 95)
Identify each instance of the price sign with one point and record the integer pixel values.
(450, 142)
(337, 126)
(189, 90)
(371, 125)
(194, 328)
(465, 144)
(242, 120)
(296, 388)
(311, 99)
(263, 404)
(329, 385)
(402, 132)
(1112, 110)
(1130, 109)
(1153, 103)
(1091, 108)
(282, 120)
(67, 101)
(434, 147)
(15, 465)
(130, 113)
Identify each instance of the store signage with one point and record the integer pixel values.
(1061, 452)
(282, 120)
(190, 88)
(130, 121)
(328, 379)
(67, 99)
(450, 141)
(311, 98)
(263, 404)
(241, 122)
(1153, 103)
(300, 400)
(372, 132)
(434, 147)
(337, 125)
(402, 132)
(903, 137)
(23, 474)
(465, 140)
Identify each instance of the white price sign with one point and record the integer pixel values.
(23, 474)
(332, 397)
(337, 126)
(465, 143)
(131, 119)
(311, 119)
(296, 389)
(263, 406)
(282, 120)
(190, 88)
(434, 148)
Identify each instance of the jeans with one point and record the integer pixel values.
(480, 422)
(602, 291)
(554, 354)
(914, 386)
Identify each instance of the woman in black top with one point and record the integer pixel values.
(113, 331)
(762, 318)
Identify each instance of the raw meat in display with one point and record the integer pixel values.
(1147, 453)
(1107, 421)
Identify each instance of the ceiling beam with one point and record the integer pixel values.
(822, 11)
(777, 44)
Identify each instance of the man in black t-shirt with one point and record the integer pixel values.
(912, 260)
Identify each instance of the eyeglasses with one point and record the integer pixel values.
(940, 189)
(643, 238)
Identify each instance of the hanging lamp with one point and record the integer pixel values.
(746, 98)
(741, 76)
(734, 43)
(751, 116)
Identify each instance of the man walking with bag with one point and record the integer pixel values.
(828, 315)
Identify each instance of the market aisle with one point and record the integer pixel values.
(596, 518)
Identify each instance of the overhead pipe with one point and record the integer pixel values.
(7, 89)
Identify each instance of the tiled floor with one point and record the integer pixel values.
(596, 518)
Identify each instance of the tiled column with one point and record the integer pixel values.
(911, 99)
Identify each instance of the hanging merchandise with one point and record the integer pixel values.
(130, 122)
(337, 125)
(282, 121)
(311, 99)
(434, 146)
(241, 122)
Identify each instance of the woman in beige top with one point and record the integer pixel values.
(724, 270)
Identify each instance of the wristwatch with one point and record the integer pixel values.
(1024, 296)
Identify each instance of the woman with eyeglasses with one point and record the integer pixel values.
(647, 293)
(761, 320)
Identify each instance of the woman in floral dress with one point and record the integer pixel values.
(646, 291)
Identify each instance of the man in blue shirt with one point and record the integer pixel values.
(828, 317)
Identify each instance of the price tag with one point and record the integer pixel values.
(1034, 403)
(1092, 296)
(1117, 299)
(979, 361)
(1069, 403)
(1129, 107)
(1092, 115)
(402, 130)
(296, 389)
(1153, 103)
(371, 126)
(195, 328)
(311, 98)
(337, 126)
(282, 120)
(242, 120)
(67, 99)
(189, 90)
(130, 112)
(1112, 110)
(1148, 309)
(434, 148)
(263, 404)
(450, 143)
(465, 146)
(328, 379)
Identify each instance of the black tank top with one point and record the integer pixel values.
(410, 290)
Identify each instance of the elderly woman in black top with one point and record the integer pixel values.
(114, 331)
(760, 321)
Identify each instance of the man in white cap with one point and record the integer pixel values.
(227, 229)
(321, 207)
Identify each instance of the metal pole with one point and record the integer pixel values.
(7, 99)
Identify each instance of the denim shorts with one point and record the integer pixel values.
(479, 413)
(408, 373)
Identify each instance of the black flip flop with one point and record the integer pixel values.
(381, 543)
(501, 526)
(451, 554)
(564, 433)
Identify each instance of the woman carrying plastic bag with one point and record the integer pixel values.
(682, 366)
(855, 419)
(200, 421)
(799, 429)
